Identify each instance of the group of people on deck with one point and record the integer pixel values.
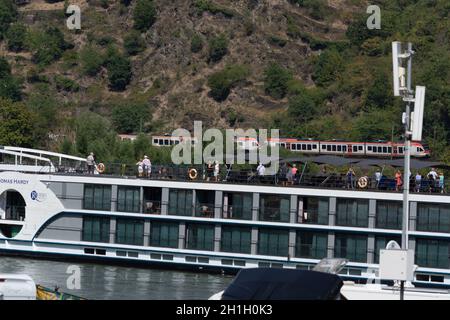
(437, 179)
(144, 167)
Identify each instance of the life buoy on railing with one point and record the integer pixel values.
(101, 168)
(363, 182)
(193, 174)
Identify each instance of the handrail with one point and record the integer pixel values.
(43, 152)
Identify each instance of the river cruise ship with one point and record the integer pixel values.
(51, 207)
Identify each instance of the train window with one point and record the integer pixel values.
(177, 141)
(171, 142)
(380, 149)
(314, 146)
(385, 150)
(339, 148)
(344, 148)
(400, 150)
(369, 148)
(360, 148)
(161, 142)
(389, 149)
(293, 146)
(324, 147)
(155, 141)
(283, 145)
(166, 142)
(355, 148)
(328, 148)
(309, 147)
(334, 148)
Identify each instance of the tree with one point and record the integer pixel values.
(119, 70)
(129, 118)
(15, 37)
(9, 86)
(276, 79)
(379, 93)
(17, 124)
(218, 47)
(329, 65)
(221, 82)
(47, 46)
(91, 61)
(144, 15)
(302, 107)
(133, 43)
(8, 14)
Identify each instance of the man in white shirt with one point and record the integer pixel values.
(261, 169)
(147, 166)
(432, 174)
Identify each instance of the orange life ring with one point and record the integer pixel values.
(193, 174)
(101, 168)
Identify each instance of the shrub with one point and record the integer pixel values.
(329, 65)
(91, 61)
(17, 124)
(144, 15)
(15, 37)
(133, 43)
(129, 118)
(119, 71)
(223, 81)
(9, 86)
(8, 14)
(47, 46)
(66, 84)
(196, 43)
(218, 47)
(276, 80)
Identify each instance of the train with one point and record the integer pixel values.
(378, 148)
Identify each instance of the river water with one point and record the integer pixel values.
(103, 282)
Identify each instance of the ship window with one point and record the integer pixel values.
(264, 264)
(236, 239)
(167, 257)
(89, 250)
(352, 247)
(203, 260)
(97, 197)
(130, 231)
(133, 254)
(432, 253)
(227, 262)
(422, 277)
(434, 278)
(190, 259)
(128, 199)
(96, 229)
(120, 253)
(274, 208)
(200, 237)
(239, 263)
(352, 213)
(155, 256)
(164, 234)
(101, 252)
(433, 217)
(311, 245)
(239, 206)
(315, 210)
(273, 242)
(389, 215)
(180, 202)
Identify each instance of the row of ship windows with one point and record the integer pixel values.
(271, 242)
(275, 208)
(242, 263)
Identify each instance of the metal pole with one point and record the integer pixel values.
(407, 153)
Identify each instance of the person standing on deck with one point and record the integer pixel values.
(441, 182)
(216, 170)
(351, 178)
(418, 182)
(261, 169)
(294, 174)
(398, 180)
(147, 166)
(90, 161)
(140, 168)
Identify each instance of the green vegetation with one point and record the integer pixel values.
(8, 14)
(17, 127)
(91, 60)
(130, 118)
(210, 6)
(119, 70)
(47, 46)
(133, 43)
(318, 9)
(276, 79)
(66, 84)
(16, 37)
(218, 47)
(144, 15)
(223, 81)
(328, 67)
(9, 86)
(196, 43)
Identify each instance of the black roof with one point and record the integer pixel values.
(283, 284)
